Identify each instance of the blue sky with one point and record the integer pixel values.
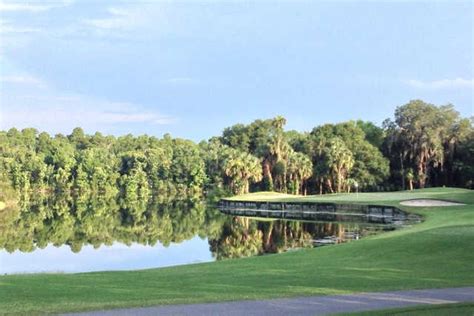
(191, 68)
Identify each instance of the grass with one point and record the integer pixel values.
(389, 198)
(458, 309)
(437, 253)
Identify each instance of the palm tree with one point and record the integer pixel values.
(252, 171)
(277, 157)
(292, 171)
(351, 182)
(299, 169)
(279, 145)
(305, 170)
(340, 161)
(241, 168)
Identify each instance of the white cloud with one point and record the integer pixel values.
(31, 102)
(119, 18)
(6, 27)
(22, 7)
(23, 80)
(441, 84)
(66, 112)
(30, 7)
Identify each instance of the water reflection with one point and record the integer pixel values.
(242, 236)
(78, 221)
(106, 258)
(60, 232)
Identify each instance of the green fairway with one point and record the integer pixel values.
(458, 309)
(389, 198)
(434, 254)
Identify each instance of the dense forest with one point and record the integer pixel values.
(423, 145)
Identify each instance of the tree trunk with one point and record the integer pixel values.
(339, 181)
(421, 176)
(268, 236)
(340, 233)
(402, 171)
(422, 171)
(245, 222)
(267, 174)
(329, 183)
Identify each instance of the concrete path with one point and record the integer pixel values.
(313, 305)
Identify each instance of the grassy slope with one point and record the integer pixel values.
(459, 309)
(436, 253)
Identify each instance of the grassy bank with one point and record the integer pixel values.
(459, 309)
(436, 253)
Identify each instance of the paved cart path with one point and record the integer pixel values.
(312, 305)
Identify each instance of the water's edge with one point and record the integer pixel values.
(318, 211)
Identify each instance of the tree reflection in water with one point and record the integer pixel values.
(87, 220)
(242, 237)
(76, 221)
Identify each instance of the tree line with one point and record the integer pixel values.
(423, 145)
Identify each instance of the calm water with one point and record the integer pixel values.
(71, 234)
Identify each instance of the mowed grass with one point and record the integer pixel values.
(434, 254)
(458, 309)
(389, 198)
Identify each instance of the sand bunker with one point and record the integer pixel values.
(428, 202)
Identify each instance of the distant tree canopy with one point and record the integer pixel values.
(127, 165)
(424, 145)
(430, 145)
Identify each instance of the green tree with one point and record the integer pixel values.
(340, 162)
(300, 168)
(425, 137)
(241, 168)
(370, 168)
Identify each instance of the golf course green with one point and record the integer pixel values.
(437, 253)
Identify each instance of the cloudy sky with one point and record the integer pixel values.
(191, 68)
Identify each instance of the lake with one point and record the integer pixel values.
(66, 234)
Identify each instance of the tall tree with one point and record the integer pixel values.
(423, 137)
(340, 161)
(241, 168)
(369, 169)
(300, 168)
